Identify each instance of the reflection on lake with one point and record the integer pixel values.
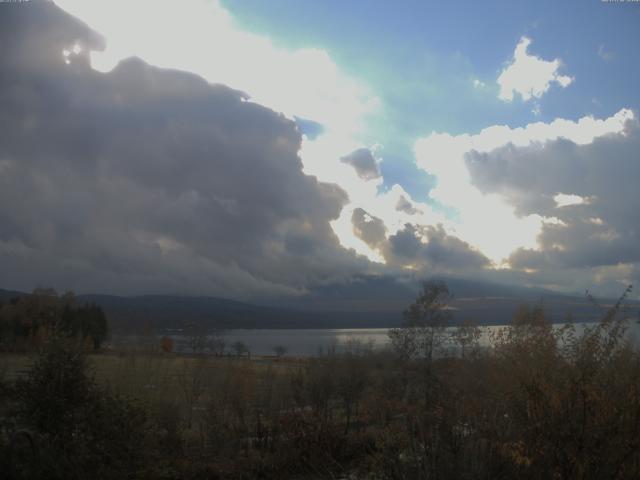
(300, 342)
(305, 342)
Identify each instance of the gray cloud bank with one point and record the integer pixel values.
(420, 248)
(144, 180)
(601, 232)
(149, 180)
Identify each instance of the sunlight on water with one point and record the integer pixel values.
(305, 342)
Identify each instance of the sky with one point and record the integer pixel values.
(264, 150)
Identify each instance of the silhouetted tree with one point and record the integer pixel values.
(80, 429)
(425, 322)
(241, 348)
(466, 335)
(32, 319)
(280, 350)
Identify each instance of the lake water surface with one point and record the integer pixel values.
(305, 342)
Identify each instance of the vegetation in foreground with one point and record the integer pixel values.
(540, 403)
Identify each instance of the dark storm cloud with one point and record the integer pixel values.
(363, 162)
(145, 179)
(604, 230)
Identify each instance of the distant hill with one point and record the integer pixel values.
(162, 311)
(331, 307)
(376, 293)
(8, 294)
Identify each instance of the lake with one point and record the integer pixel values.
(307, 342)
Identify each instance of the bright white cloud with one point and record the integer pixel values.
(529, 76)
(565, 200)
(488, 221)
(363, 193)
(200, 36)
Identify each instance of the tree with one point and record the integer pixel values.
(196, 336)
(280, 350)
(34, 318)
(200, 339)
(216, 342)
(466, 335)
(93, 324)
(425, 321)
(529, 338)
(241, 348)
(81, 430)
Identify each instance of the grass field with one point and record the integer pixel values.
(187, 382)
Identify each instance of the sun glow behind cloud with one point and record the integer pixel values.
(488, 221)
(201, 37)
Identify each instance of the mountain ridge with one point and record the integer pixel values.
(485, 304)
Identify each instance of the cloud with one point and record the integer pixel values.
(478, 83)
(406, 206)
(590, 188)
(149, 180)
(565, 200)
(431, 249)
(472, 186)
(144, 179)
(363, 162)
(604, 54)
(528, 75)
(369, 229)
(309, 128)
(425, 249)
(200, 36)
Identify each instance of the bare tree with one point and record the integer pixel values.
(216, 342)
(425, 321)
(196, 336)
(466, 335)
(241, 348)
(280, 350)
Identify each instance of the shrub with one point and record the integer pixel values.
(79, 429)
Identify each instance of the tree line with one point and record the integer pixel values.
(27, 322)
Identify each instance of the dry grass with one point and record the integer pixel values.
(13, 366)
